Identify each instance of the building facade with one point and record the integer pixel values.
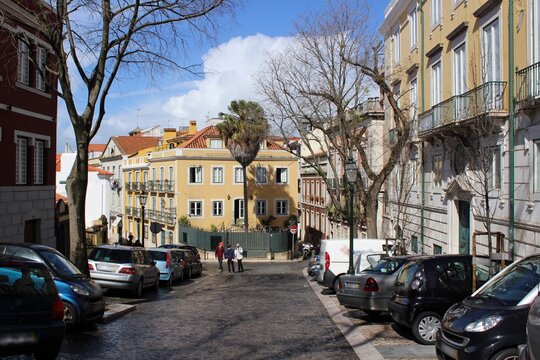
(472, 161)
(28, 104)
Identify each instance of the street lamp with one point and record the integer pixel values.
(143, 196)
(351, 171)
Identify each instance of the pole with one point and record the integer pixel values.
(142, 226)
(351, 227)
(511, 223)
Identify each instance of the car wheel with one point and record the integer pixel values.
(48, 353)
(70, 314)
(335, 284)
(137, 292)
(171, 280)
(155, 287)
(506, 354)
(425, 327)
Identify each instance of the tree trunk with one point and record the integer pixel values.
(246, 222)
(76, 185)
(371, 215)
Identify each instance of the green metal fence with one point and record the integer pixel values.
(256, 244)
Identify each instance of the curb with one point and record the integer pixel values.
(114, 311)
(361, 346)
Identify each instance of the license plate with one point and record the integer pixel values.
(349, 285)
(107, 267)
(23, 338)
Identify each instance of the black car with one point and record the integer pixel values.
(31, 312)
(191, 248)
(531, 350)
(491, 323)
(82, 297)
(426, 287)
(193, 266)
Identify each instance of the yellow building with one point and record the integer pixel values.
(193, 176)
(468, 70)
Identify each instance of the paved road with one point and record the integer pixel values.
(268, 311)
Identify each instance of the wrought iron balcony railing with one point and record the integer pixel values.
(482, 100)
(528, 83)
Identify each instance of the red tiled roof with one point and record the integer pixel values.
(96, 147)
(58, 197)
(132, 144)
(198, 141)
(58, 162)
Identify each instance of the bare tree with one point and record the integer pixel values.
(95, 43)
(314, 90)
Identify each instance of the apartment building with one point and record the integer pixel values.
(28, 104)
(473, 154)
(196, 177)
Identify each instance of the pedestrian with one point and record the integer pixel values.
(219, 255)
(229, 254)
(239, 254)
(137, 243)
(130, 239)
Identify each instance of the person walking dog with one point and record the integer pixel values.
(239, 253)
(220, 251)
(229, 254)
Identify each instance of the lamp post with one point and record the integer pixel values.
(143, 196)
(351, 171)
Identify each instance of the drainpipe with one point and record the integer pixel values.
(423, 108)
(511, 127)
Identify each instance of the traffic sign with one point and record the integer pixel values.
(293, 229)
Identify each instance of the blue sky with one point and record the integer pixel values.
(260, 26)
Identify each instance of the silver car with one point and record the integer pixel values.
(123, 267)
(371, 289)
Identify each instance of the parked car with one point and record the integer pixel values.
(169, 263)
(82, 297)
(314, 266)
(193, 266)
(123, 267)
(31, 312)
(491, 323)
(426, 287)
(371, 289)
(191, 248)
(531, 350)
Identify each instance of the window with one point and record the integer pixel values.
(414, 244)
(154, 174)
(23, 69)
(460, 67)
(282, 207)
(437, 249)
(217, 175)
(238, 175)
(216, 143)
(171, 173)
(437, 170)
(161, 173)
(536, 166)
(195, 208)
(491, 57)
(261, 175)
(21, 160)
(260, 207)
(535, 33)
(397, 46)
(282, 175)
(39, 147)
(217, 208)
(413, 24)
(40, 75)
(195, 175)
(494, 174)
(435, 12)
(413, 99)
(436, 84)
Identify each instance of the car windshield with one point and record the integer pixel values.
(158, 255)
(515, 285)
(386, 266)
(24, 280)
(406, 276)
(117, 256)
(60, 265)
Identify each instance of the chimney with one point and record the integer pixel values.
(192, 127)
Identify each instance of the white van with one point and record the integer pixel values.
(335, 257)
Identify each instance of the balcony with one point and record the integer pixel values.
(160, 186)
(528, 86)
(371, 105)
(413, 133)
(486, 101)
(164, 217)
(134, 211)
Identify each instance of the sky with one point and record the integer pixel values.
(242, 45)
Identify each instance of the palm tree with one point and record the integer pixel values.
(243, 130)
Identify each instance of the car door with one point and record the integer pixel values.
(454, 281)
(150, 272)
(176, 264)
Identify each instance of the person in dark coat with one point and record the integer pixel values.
(220, 251)
(229, 254)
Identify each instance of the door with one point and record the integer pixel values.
(238, 209)
(460, 83)
(464, 227)
(31, 231)
(491, 58)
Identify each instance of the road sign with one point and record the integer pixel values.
(155, 227)
(293, 229)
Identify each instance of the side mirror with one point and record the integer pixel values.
(153, 263)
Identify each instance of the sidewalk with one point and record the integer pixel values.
(114, 311)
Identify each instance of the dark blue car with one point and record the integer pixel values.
(82, 297)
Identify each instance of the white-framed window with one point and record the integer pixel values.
(413, 26)
(437, 170)
(171, 173)
(491, 54)
(397, 46)
(282, 175)
(435, 12)
(216, 144)
(39, 149)
(154, 203)
(217, 175)
(23, 68)
(238, 175)
(495, 171)
(162, 173)
(153, 174)
(195, 208)
(413, 99)
(217, 208)
(282, 207)
(460, 70)
(21, 168)
(436, 84)
(536, 166)
(535, 32)
(261, 175)
(41, 84)
(260, 207)
(195, 175)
